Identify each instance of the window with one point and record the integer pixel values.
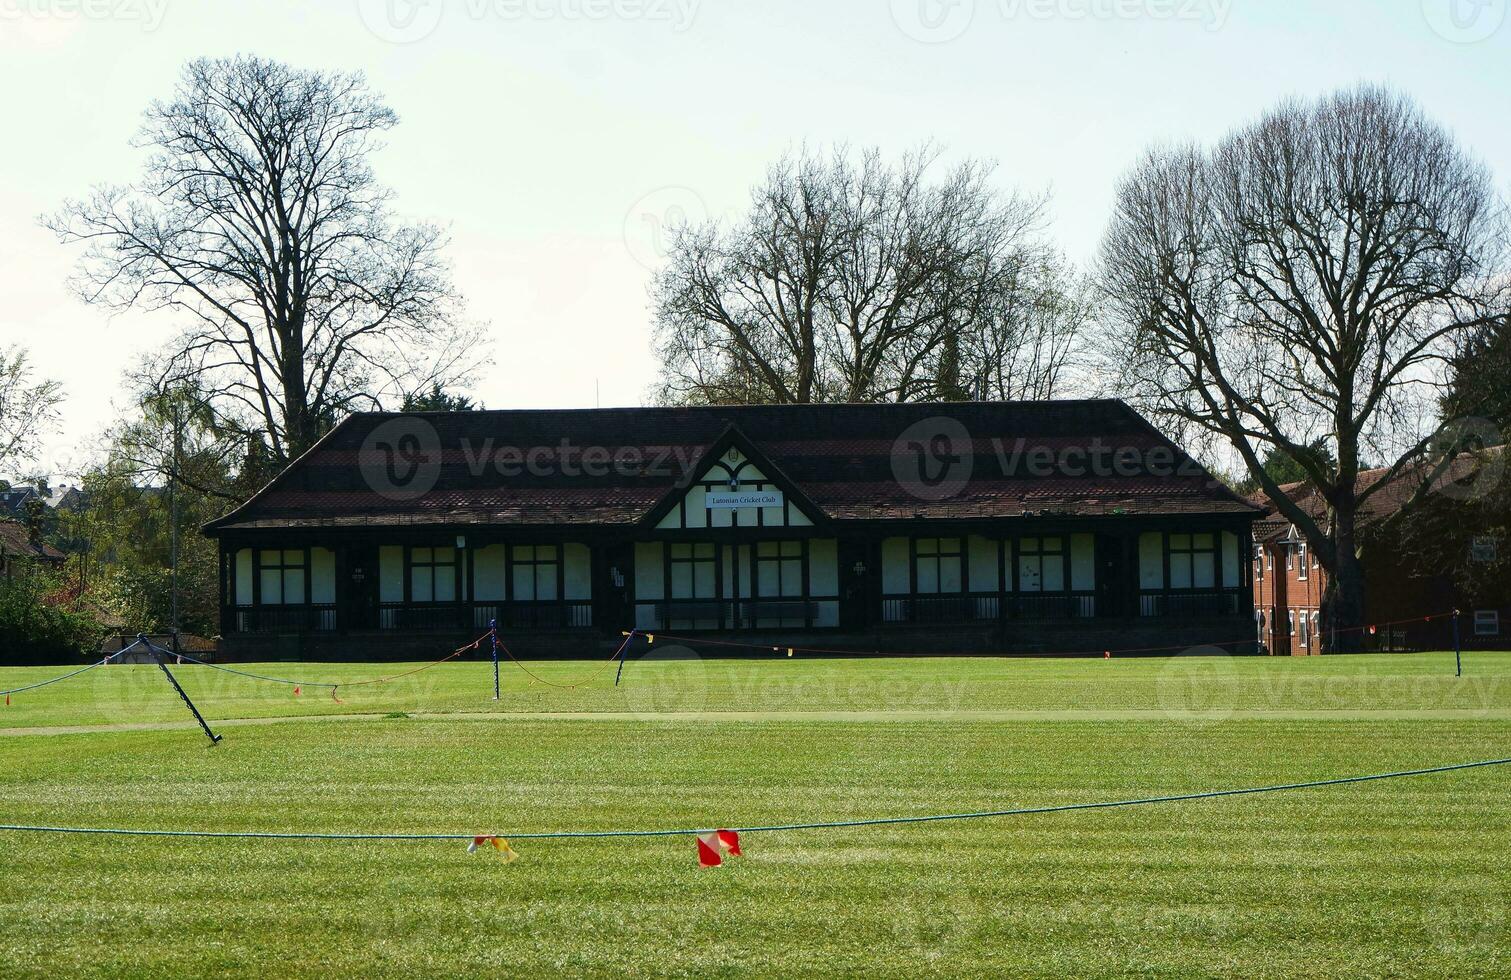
(1290, 556)
(1303, 635)
(535, 572)
(936, 566)
(1193, 561)
(1291, 617)
(1041, 565)
(1301, 551)
(1483, 549)
(1269, 560)
(1487, 622)
(690, 569)
(779, 568)
(282, 577)
(1316, 627)
(432, 574)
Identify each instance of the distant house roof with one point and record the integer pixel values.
(840, 458)
(13, 501)
(1381, 503)
(16, 542)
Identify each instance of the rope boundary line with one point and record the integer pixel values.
(768, 828)
(853, 652)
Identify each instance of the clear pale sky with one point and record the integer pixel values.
(553, 137)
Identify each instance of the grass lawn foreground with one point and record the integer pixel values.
(1398, 877)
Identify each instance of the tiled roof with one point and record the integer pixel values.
(841, 457)
(15, 539)
(1381, 503)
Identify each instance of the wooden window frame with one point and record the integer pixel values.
(1192, 551)
(258, 567)
(915, 559)
(456, 565)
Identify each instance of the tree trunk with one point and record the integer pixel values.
(1343, 600)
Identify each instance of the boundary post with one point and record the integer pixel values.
(1458, 655)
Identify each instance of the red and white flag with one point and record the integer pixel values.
(713, 845)
(497, 843)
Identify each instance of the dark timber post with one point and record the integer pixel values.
(1458, 656)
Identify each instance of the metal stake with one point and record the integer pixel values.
(163, 664)
(493, 634)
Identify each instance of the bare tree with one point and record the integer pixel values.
(849, 280)
(260, 223)
(1029, 345)
(1300, 288)
(28, 409)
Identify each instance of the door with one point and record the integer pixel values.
(1113, 582)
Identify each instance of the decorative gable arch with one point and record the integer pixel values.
(735, 486)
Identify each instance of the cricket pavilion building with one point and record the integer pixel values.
(1016, 527)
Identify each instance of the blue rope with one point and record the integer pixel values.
(74, 673)
(826, 825)
(258, 677)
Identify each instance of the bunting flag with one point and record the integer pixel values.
(498, 843)
(296, 691)
(714, 845)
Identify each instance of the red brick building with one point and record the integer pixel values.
(1463, 565)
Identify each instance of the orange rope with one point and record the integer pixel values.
(573, 686)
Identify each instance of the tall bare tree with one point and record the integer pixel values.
(851, 280)
(259, 222)
(1301, 287)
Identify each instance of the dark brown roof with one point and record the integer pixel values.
(15, 540)
(838, 457)
(1381, 503)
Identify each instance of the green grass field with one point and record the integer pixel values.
(1400, 877)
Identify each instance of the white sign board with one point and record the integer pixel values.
(735, 499)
